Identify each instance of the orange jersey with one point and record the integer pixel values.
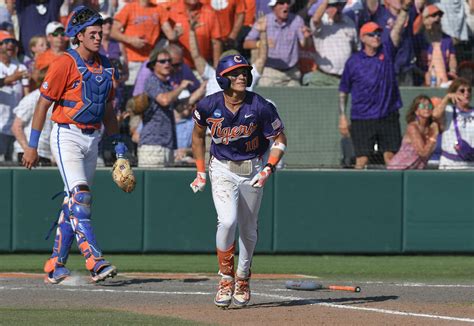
(226, 12)
(63, 83)
(143, 22)
(208, 29)
(46, 58)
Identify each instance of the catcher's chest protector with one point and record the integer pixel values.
(96, 87)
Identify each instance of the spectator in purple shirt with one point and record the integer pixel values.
(385, 16)
(369, 76)
(284, 36)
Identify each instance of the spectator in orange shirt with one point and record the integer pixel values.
(138, 25)
(230, 14)
(208, 31)
(57, 45)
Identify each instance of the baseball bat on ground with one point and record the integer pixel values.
(307, 285)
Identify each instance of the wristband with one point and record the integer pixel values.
(280, 146)
(271, 166)
(34, 138)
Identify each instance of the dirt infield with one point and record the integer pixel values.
(189, 296)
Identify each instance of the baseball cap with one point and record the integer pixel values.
(52, 27)
(369, 27)
(272, 3)
(4, 35)
(431, 10)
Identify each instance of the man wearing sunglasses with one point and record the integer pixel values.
(158, 135)
(57, 41)
(15, 87)
(369, 76)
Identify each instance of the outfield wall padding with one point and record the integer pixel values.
(438, 211)
(303, 211)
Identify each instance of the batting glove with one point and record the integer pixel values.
(258, 181)
(199, 183)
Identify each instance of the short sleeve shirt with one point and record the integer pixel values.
(243, 135)
(143, 22)
(372, 83)
(283, 40)
(63, 82)
(158, 121)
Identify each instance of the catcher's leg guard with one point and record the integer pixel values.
(63, 240)
(80, 206)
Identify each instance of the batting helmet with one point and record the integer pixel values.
(80, 18)
(229, 63)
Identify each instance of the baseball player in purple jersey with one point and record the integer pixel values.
(241, 123)
(80, 84)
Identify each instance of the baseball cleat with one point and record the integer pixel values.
(104, 273)
(223, 297)
(59, 274)
(242, 292)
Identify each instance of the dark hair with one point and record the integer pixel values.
(411, 116)
(457, 83)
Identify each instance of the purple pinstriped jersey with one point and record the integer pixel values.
(242, 136)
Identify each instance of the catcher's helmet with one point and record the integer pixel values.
(80, 18)
(229, 63)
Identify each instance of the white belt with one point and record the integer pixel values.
(239, 167)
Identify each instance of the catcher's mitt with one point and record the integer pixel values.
(138, 104)
(123, 175)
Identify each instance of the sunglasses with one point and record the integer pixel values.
(281, 2)
(58, 33)
(8, 41)
(374, 34)
(163, 61)
(464, 90)
(423, 106)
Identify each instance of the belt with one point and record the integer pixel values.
(85, 131)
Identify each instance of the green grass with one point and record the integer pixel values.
(357, 268)
(36, 316)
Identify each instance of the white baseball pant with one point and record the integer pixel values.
(237, 204)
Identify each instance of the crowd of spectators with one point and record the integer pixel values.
(166, 51)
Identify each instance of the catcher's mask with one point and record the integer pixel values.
(229, 63)
(80, 18)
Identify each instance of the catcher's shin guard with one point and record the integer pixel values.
(226, 261)
(80, 206)
(63, 240)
